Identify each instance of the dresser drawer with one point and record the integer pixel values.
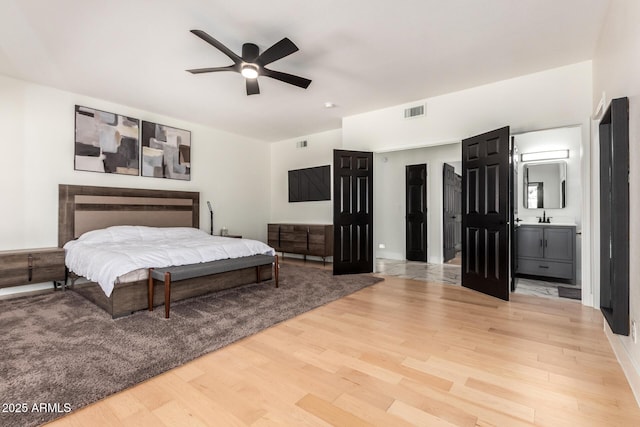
(273, 236)
(26, 266)
(535, 267)
(304, 239)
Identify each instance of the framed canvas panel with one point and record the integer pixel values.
(106, 142)
(166, 151)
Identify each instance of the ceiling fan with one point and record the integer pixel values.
(252, 63)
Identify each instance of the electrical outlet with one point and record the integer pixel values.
(634, 333)
(381, 246)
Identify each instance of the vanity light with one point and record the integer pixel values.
(545, 155)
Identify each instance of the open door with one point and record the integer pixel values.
(416, 212)
(485, 213)
(448, 212)
(352, 212)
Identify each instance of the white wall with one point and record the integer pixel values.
(37, 125)
(616, 67)
(549, 99)
(286, 156)
(389, 199)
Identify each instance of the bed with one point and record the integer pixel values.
(83, 209)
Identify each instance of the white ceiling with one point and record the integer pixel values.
(362, 55)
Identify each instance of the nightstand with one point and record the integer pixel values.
(25, 266)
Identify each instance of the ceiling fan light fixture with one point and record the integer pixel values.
(249, 71)
(252, 64)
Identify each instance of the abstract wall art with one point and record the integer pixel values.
(166, 151)
(106, 142)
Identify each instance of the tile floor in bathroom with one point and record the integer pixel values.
(450, 274)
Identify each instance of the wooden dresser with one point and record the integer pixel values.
(25, 266)
(304, 239)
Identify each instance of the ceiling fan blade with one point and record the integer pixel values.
(284, 47)
(252, 87)
(287, 78)
(212, 69)
(215, 43)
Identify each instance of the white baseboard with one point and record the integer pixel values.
(628, 367)
(381, 253)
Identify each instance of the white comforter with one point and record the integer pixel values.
(104, 255)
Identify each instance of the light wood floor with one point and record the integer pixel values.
(401, 352)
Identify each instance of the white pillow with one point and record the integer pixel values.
(111, 234)
(127, 233)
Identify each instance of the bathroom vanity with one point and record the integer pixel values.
(547, 250)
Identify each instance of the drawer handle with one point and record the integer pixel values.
(30, 264)
(543, 266)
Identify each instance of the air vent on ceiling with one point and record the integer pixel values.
(301, 144)
(411, 112)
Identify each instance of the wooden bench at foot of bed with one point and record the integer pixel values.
(185, 272)
(130, 297)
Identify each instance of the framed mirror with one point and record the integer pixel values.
(545, 185)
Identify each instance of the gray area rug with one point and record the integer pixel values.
(59, 352)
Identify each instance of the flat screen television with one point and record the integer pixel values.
(310, 184)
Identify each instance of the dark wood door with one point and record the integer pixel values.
(416, 212)
(449, 212)
(352, 212)
(485, 213)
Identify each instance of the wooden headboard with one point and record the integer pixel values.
(84, 208)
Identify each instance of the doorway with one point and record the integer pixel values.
(451, 215)
(391, 199)
(548, 187)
